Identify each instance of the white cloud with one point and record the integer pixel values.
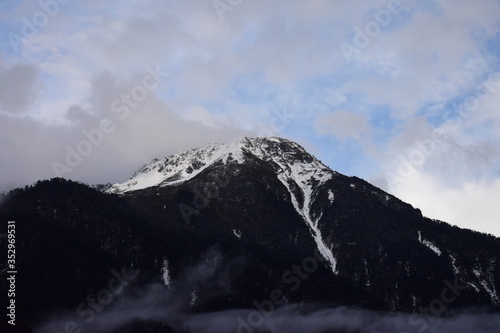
(227, 77)
(469, 205)
(150, 130)
(343, 125)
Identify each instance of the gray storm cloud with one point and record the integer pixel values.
(19, 87)
(150, 130)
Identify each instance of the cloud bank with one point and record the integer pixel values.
(367, 82)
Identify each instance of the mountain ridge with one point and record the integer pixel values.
(258, 210)
(300, 172)
(305, 179)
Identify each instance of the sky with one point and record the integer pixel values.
(402, 93)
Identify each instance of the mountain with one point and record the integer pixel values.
(230, 226)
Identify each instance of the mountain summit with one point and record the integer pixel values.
(227, 226)
(289, 157)
(301, 174)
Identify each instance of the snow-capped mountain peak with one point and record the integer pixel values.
(301, 173)
(185, 165)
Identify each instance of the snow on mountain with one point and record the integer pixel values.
(429, 244)
(488, 286)
(185, 165)
(178, 168)
(294, 167)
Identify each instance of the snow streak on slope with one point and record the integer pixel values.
(296, 167)
(165, 272)
(307, 182)
(299, 172)
(429, 244)
(488, 286)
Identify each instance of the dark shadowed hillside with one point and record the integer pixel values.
(228, 226)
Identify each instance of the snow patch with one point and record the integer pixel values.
(165, 272)
(487, 286)
(331, 196)
(456, 271)
(429, 244)
(144, 180)
(194, 297)
(476, 288)
(237, 233)
(368, 283)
